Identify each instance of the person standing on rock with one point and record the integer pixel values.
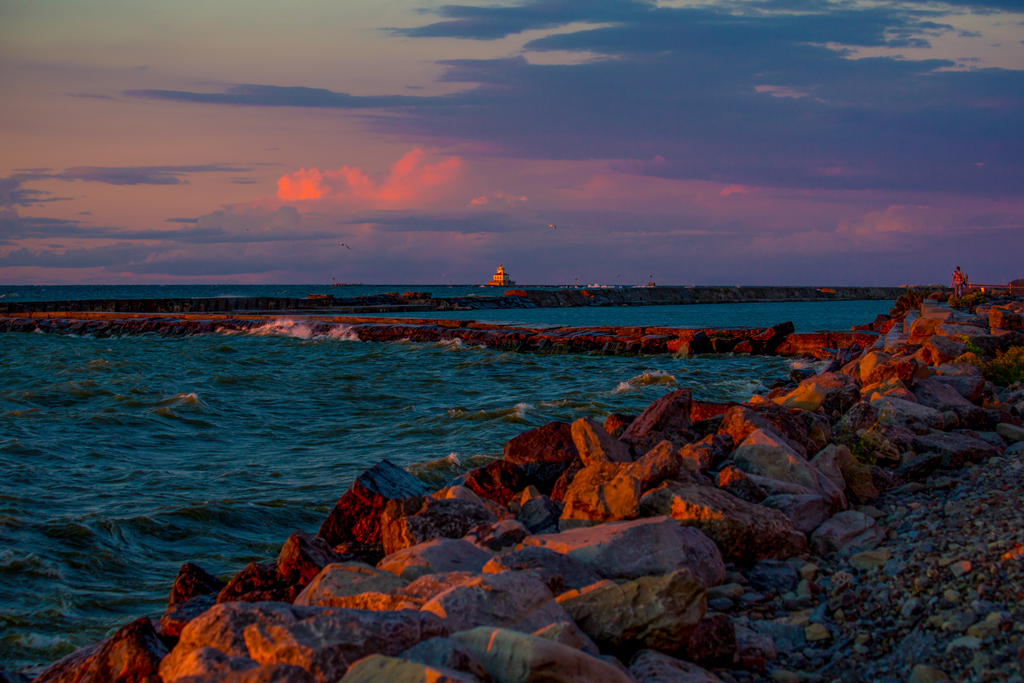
(958, 283)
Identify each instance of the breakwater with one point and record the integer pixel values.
(779, 339)
(423, 301)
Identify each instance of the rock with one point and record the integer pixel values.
(562, 485)
(341, 580)
(808, 397)
(943, 397)
(131, 655)
(667, 419)
(654, 667)
(302, 557)
(920, 466)
(765, 454)
(706, 453)
(179, 614)
(616, 423)
(540, 515)
(772, 575)
(434, 557)
(895, 411)
(257, 583)
(602, 492)
(628, 550)
(816, 632)
(751, 644)
(840, 390)
(511, 599)
(204, 663)
(512, 657)
(786, 637)
(597, 446)
(956, 449)
(657, 612)
(499, 481)
(740, 422)
(744, 533)
(356, 516)
(856, 477)
(806, 512)
(849, 529)
(923, 673)
(429, 586)
(570, 572)
(755, 489)
(494, 537)
(869, 559)
(971, 387)
(568, 633)
(1011, 433)
(327, 642)
(1005, 319)
(938, 350)
(660, 463)
(381, 669)
(829, 461)
(445, 653)
(192, 581)
(543, 453)
(712, 642)
(412, 521)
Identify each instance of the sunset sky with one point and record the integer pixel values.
(730, 142)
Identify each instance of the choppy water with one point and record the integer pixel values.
(120, 459)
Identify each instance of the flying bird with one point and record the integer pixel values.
(342, 244)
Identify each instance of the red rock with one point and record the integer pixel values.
(668, 418)
(411, 521)
(302, 557)
(356, 516)
(904, 370)
(616, 423)
(938, 350)
(1005, 319)
(499, 481)
(740, 422)
(191, 582)
(257, 583)
(131, 655)
(543, 453)
(704, 410)
(562, 485)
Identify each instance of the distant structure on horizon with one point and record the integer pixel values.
(501, 278)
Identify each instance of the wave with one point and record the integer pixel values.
(440, 471)
(646, 379)
(516, 413)
(286, 327)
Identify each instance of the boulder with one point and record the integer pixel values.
(428, 586)
(754, 488)
(740, 422)
(435, 557)
(970, 386)
(658, 612)
(900, 413)
(956, 449)
(179, 614)
(512, 657)
(772, 575)
(302, 557)
(847, 530)
(840, 391)
(712, 642)
(494, 537)
(568, 633)
(649, 666)
(754, 645)
(341, 580)
(327, 642)
(204, 663)
(642, 547)
(379, 668)
(412, 521)
(943, 397)
(667, 419)
(193, 581)
(807, 397)
(616, 423)
(1010, 432)
(131, 655)
(660, 463)
(257, 583)
(511, 599)
(765, 454)
(938, 350)
(920, 466)
(902, 370)
(562, 485)
(1005, 319)
(743, 532)
(498, 481)
(560, 572)
(540, 515)
(596, 446)
(356, 516)
(706, 453)
(601, 492)
(445, 653)
(838, 464)
(806, 512)
(543, 453)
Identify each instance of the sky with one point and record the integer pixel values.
(775, 142)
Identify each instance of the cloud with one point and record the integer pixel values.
(446, 222)
(277, 96)
(509, 199)
(141, 175)
(410, 178)
(735, 189)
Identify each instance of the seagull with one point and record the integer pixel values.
(342, 244)
(552, 226)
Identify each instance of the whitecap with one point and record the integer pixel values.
(645, 379)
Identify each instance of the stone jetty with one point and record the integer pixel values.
(861, 523)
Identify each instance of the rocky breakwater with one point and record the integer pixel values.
(862, 524)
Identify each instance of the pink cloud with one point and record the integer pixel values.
(509, 199)
(409, 179)
(479, 200)
(735, 189)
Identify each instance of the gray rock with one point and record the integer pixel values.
(570, 572)
(434, 557)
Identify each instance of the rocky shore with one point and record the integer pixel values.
(860, 523)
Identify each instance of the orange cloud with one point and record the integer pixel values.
(408, 180)
(735, 189)
(479, 200)
(509, 198)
